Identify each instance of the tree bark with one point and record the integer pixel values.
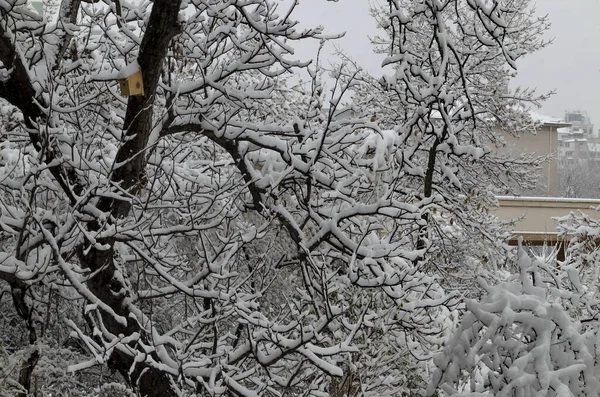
(29, 363)
(162, 27)
(427, 192)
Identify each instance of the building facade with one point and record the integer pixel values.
(543, 141)
(579, 144)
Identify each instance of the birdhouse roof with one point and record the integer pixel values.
(128, 70)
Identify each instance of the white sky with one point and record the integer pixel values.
(570, 66)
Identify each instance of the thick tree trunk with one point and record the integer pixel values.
(161, 28)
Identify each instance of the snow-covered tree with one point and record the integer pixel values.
(226, 232)
(449, 102)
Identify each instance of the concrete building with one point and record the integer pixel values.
(573, 148)
(571, 141)
(536, 218)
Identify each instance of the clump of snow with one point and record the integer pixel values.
(128, 70)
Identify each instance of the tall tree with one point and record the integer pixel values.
(226, 233)
(448, 99)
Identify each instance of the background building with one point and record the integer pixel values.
(579, 143)
(541, 142)
(579, 157)
(580, 122)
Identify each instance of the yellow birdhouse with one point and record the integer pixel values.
(131, 82)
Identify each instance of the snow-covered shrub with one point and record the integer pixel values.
(524, 338)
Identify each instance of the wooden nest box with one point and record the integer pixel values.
(131, 82)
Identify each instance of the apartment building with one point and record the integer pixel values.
(578, 143)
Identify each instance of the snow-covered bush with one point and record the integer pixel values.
(115, 390)
(523, 338)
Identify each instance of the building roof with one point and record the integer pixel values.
(548, 120)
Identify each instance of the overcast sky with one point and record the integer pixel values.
(570, 66)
